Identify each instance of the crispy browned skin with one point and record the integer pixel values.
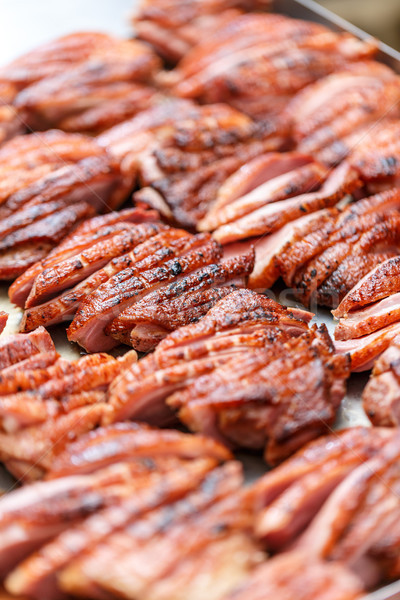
(326, 257)
(240, 62)
(184, 153)
(50, 183)
(173, 27)
(237, 375)
(362, 510)
(156, 483)
(135, 282)
(10, 122)
(273, 216)
(3, 320)
(332, 116)
(81, 238)
(214, 559)
(56, 84)
(145, 323)
(294, 576)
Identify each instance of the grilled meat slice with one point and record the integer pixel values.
(294, 576)
(306, 480)
(173, 27)
(125, 442)
(327, 255)
(239, 321)
(381, 394)
(243, 63)
(371, 318)
(267, 178)
(50, 185)
(145, 323)
(34, 514)
(213, 560)
(331, 117)
(251, 400)
(117, 240)
(272, 216)
(59, 84)
(154, 251)
(381, 282)
(154, 486)
(363, 351)
(376, 159)
(359, 510)
(131, 285)
(80, 239)
(18, 347)
(184, 153)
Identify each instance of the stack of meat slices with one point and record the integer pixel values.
(257, 62)
(125, 493)
(376, 157)
(337, 499)
(83, 82)
(47, 401)
(273, 190)
(334, 115)
(183, 153)
(173, 27)
(121, 280)
(249, 373)
(381, 396)
(50, 182)
(369, 315)
(144, 490)
(323, 255)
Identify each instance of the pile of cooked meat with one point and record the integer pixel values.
(150, 189)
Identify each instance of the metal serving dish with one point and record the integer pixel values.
(351, 412)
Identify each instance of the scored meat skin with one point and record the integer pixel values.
(85, 81)
(172, 27)
(83, 237)
(132, 284)
(125, 326)
(309, 579)
(50, 184)
(331, 116)
(184, 152)
(240, 63)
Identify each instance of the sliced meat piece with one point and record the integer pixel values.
(296, 576)
(37, 575)
(380, 283)
(18, 347)
(248, 400)
(241, 63)
(129, 442)
(149, 254)
(265, 179)
(70, 271)
(131, 285)
(83, 237)
(336, 106)
(369, 319)
(241, 320)
(381, 397)
(127, 328)
(76, 86)
(343, 444)
(365, 350)
(273, 216)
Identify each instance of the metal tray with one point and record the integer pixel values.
(351, 412)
